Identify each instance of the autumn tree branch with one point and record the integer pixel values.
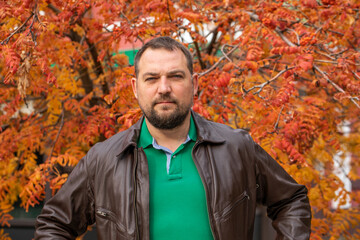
(98, 67)
(223, 52)
(213, 41)
(357, 76)
(324, 61)
(129, 22)
(297, 35)
(198, 54)
(168, 9)
(261, 86)
(53, 8)
(35, 17)
(6, 40)
(285, 39)
(342, 168)
(219, 61)
(337, 87)
(324, 54)
(33, 35)
(4, 127)
(84, 75)
(339, 53)
(57, 135)
(278, 119)
(253, 16)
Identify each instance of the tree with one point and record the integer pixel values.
(288, 71)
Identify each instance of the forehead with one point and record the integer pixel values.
(162, 60)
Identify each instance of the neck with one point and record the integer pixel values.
(170, 138)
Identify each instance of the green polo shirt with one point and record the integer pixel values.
(177, 197)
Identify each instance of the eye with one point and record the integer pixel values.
(150, 79)
(178, 76)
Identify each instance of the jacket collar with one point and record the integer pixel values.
(131, 136)
(205, 132)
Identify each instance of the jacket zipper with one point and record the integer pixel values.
(104, 214)
(228, 209)
(135, 193)
(210, 213)
(112, 217)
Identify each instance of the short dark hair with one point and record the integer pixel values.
(165, 43)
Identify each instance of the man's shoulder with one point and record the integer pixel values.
(222, 131)
(231, 134)
(223, 128)
(118, 142)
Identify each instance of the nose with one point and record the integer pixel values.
(164, 85)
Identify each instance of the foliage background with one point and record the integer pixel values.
(288, 71)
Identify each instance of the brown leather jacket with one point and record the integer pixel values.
(110, 187)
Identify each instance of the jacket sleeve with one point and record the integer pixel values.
(68, 213)
(287, 202)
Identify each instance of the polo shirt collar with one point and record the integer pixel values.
(192, 131)
(145, 139)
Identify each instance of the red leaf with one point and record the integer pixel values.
(310, 3)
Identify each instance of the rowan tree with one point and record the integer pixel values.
(287, 71)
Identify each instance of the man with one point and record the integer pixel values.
(174, 175)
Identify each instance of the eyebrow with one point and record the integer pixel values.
(150, 74)
(168, 73)
(176, 72)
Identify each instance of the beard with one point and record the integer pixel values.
(167, 121)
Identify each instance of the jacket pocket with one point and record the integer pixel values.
(232, 221)
(109, 226)
(223, 214)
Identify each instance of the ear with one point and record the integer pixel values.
(195, 79)
(133, 85)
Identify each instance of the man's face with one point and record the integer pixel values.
(164, 87)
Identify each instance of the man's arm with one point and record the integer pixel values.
(287, 202)
(70, 211)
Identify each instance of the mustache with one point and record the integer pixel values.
(164, 98)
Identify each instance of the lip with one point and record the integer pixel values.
(165, 103)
